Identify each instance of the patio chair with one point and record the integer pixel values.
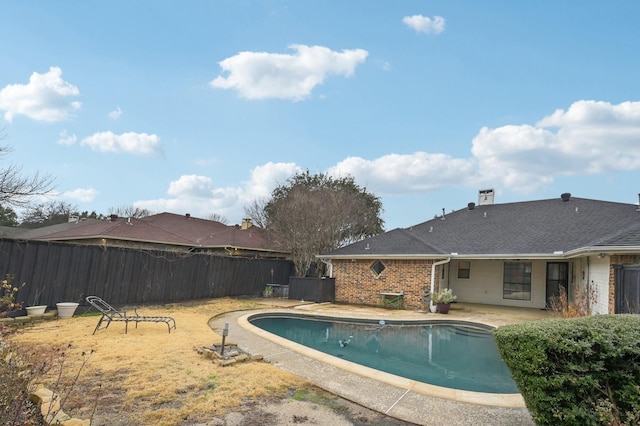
(109, 313)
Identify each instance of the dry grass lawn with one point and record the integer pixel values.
(149, 376)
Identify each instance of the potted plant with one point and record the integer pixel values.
(443, 299)
(8, 305)
(268, 291)
(36, 309)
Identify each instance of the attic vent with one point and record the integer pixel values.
(566, 196)
(377, 267)
(485, 197)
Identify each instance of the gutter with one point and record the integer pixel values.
(433, 278)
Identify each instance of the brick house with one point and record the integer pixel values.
(521, 254)
(171, 232)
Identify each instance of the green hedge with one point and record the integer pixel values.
(580, 371)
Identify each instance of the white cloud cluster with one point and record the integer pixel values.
(85, 195)
(261, 75)
(115, 114)
(415, 172)
(130, 143)
(199, 195)
(588, 138)
(45, 98)
(66, 138)
(424, 24)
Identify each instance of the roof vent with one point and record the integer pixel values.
(113, 217)
(566, 196)
(485, 197)
(187, 215)
(471, 206)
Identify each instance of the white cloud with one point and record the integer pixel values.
(424, 24)
(115, 114)
(85, 195)
(417, 172)
(66, 139)
(44, 98)
(261, 75)
(129, 143)
(199, 195)
(589, 138)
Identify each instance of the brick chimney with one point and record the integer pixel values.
(247, 223)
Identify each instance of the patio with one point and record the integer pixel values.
(401, 398)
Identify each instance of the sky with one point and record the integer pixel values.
(203, 106)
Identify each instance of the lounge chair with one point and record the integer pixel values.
(109, 313)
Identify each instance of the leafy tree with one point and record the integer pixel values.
(93, 215)
(8, 216)
(316, 213)
(130, 211)
(45, 214)
(17, 189)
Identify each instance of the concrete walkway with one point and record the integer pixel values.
(397, 397)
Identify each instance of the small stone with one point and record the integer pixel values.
(77, 422)
(58, 418)
(226, 362)
(41, 395)
(241, 357)
(257, 357)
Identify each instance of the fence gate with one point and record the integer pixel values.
(627, 289)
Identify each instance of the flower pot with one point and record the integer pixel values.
(66, 309)
(433, 308)
(443, 308)
(36, 310)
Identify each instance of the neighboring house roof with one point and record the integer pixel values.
(541, 228)
(33, 233)
(170, 229)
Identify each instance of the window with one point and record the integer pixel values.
(517, 281)
(377, 267)
(464, 269)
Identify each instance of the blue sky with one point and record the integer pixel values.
(201, 107)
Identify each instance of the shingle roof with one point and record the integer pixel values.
(535, 228)
(172, 229)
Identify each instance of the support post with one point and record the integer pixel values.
(225, 333)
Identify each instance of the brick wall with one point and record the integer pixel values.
(630, 259)
(357, 283)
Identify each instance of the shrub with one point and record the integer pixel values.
(579, 371)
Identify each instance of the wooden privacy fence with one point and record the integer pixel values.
(60, 272)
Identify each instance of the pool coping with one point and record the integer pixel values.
(478, 398)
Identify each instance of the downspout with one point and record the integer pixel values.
(433, 277)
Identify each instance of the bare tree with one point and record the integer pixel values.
(45, 214)
(18, 189)
(218, 218)
(255, 212)
(314, 214)
(129, 211)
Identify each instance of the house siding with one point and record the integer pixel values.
(485, 283)
(356, 283)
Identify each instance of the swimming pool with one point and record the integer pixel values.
(449, 354)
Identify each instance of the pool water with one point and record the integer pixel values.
(451, 354)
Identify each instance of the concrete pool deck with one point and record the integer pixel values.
(401, 398)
